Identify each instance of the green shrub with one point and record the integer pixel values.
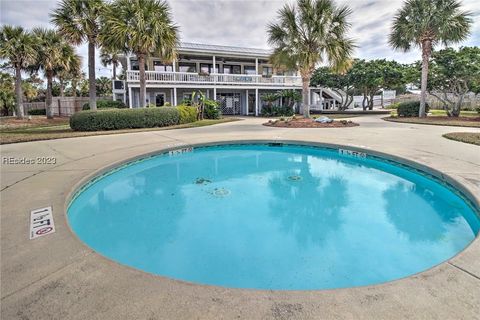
(106, 104)
(187, 114)
(392, 106)
(211, 109)
(410, 109)
(273, 111)
(37, 112)
(114, 119)
(186, 101)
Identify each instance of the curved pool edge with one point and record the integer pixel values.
(464, 190)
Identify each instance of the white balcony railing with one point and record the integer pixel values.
(214, 78)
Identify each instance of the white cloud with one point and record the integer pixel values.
(243, 23)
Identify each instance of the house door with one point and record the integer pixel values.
(159, 99)
(251, 103)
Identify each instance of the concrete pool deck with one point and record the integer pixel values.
(58, 277)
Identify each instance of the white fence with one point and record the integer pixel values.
(470, 100)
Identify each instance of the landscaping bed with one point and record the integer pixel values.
(309, 123)
(462, 121)
(467, 137)
(48, 130)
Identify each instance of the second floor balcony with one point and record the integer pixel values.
(156, 77)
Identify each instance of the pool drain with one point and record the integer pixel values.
(221, 192)
(295, 178)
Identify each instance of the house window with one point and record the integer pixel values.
(159, 66)
(187, 67)
(231, 69)
(208, 68)
(267, 71)
(249, 70)
(135, 66)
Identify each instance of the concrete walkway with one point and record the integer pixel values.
(58, 277)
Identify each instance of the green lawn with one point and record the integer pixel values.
(467, 137)
(45, 131)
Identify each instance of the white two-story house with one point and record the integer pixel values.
(235, 77)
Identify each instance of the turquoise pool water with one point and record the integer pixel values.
(272, 217)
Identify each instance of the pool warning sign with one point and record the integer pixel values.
(41, 222)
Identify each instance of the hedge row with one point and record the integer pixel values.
(114, 119)
(37, 112)
(106, 104)
(410, 109)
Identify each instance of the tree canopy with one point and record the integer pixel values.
(453, 74)
(308, 33)
(424, 24)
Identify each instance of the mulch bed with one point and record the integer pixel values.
(445, 118)
(310, 123)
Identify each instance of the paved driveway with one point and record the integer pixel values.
(58, 277)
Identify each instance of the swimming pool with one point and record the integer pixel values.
(272, 216)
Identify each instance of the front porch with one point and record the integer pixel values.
(234, 101)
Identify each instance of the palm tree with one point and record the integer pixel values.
(143, 27)
(424, 24)
(68, 70)
(53, 54)
(308, 33)
(18, 47)
(110, 57)
(104, 86)
(79, 21)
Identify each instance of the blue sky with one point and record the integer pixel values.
(242, 23)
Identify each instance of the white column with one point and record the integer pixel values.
(246, 102)
(130, 98)
(214, 93)
(256, 65)
(175, 96)
(214, 63)
(174, 67)
(321, 98)
(256, 102)
(171, 96)
(129, 65)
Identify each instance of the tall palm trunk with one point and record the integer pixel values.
(48, 96)
(74, 88)
(92, 93)
(426, 52)
(62, 87)
(19, 94)
(305, 93)
(114, 72)
(143, 90)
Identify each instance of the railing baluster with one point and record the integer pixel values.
(189, 77)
